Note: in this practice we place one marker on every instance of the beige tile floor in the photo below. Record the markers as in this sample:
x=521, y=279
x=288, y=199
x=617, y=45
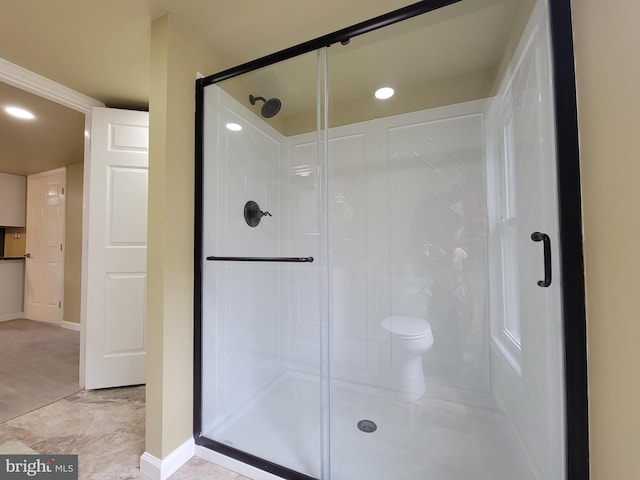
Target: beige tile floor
x=38, y=365
x=105, y=428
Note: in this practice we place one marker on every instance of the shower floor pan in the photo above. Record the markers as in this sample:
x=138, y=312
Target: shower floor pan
x=443, y=436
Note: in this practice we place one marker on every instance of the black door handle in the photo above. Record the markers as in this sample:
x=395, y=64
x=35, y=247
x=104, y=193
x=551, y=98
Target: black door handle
x=546, y=242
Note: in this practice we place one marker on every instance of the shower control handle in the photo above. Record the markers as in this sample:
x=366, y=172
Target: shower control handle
x=253, y=214
x=546, y=242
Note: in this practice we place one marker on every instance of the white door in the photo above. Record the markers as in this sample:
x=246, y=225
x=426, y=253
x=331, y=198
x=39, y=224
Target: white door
x=44, y=265
x=117, y=249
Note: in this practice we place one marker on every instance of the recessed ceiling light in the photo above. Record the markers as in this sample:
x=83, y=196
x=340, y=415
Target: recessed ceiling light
x=19, y=113
x=234, y=127
x=384, y=93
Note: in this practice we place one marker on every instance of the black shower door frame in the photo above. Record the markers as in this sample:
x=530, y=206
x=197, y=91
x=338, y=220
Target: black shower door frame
x=570, y=224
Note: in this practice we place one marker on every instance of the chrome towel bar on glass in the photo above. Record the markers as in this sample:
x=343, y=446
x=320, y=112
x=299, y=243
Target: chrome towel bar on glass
x=261, y=259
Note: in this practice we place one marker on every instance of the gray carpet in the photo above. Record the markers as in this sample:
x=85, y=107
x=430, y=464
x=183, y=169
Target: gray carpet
x=38, y=365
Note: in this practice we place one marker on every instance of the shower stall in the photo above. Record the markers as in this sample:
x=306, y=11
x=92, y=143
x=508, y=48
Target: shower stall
x=382, y=285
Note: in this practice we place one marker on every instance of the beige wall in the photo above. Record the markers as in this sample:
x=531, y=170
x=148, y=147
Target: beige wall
x=73, y=241
x=436, y=93
x=607, y=49
x=176, y=57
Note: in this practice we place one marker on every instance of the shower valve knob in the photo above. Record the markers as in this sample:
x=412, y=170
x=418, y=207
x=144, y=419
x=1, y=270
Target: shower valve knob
x=253, y=214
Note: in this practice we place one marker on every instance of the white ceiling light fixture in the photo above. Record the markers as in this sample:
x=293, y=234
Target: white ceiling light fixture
x=19, y=113
x=234, y=127
x=384, y=93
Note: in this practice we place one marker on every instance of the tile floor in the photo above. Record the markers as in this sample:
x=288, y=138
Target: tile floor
x=28, y=377
x=105, y=428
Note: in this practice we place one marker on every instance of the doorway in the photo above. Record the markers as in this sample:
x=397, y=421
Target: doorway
x=41, y=356
x=68, y=103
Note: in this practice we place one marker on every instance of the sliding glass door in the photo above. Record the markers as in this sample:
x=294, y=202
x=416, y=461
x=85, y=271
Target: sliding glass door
x=441, y=335
x=261, y=316
x=380, y=281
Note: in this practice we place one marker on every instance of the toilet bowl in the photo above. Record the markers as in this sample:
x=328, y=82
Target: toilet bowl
x=410, y=338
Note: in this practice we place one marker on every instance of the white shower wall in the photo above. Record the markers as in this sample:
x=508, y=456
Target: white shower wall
x=407, y=236
x=245, y=313
x=404, y=193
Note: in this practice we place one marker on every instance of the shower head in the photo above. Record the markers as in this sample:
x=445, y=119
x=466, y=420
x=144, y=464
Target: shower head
x=270, y=108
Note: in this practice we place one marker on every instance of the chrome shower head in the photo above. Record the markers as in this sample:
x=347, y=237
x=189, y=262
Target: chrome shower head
x=270, y=108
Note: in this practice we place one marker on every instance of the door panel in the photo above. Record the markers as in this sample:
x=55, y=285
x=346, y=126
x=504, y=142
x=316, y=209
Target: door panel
x=527, y=338
x=44, y=265
x=259, y=335
x=116, y=308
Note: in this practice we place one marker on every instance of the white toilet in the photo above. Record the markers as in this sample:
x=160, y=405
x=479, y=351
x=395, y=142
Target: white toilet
x=410, y=338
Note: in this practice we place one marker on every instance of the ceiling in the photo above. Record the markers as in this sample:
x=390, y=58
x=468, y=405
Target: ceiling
x=101, y=48
x=54, y=138
x=450, y=55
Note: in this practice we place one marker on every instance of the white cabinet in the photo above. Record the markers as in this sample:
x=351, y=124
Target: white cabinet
x=13, y=199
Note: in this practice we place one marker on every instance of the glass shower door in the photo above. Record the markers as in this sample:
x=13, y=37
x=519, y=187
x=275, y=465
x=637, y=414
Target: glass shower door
x=261, y=318
x=380, y=285
x=446, y=341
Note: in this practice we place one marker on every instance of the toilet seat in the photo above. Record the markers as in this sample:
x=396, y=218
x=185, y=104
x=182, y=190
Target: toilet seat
x=407, y=327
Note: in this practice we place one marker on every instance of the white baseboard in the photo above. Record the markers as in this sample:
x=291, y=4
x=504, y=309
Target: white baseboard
x=11, y=316
x=70, y=325
x=233, y=465
x=157, y=469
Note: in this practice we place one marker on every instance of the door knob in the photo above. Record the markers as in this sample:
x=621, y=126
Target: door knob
x=27, y=255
